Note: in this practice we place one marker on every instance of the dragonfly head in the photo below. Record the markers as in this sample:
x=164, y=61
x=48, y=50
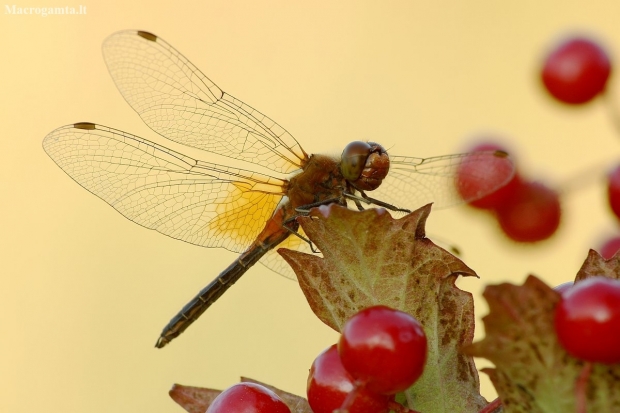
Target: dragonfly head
x=364, y=164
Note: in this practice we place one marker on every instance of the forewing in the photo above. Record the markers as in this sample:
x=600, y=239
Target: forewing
x=177, y=101
x=201, y=203
x=414, y=182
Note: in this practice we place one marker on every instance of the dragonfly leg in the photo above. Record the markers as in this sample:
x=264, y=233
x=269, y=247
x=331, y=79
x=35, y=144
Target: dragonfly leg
x=358, y=204
x=366, y=199
x=294, y=232
x=305, y=209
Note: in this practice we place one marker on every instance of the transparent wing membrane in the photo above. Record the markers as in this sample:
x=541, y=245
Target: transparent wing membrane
x=214, y=205
x=177, y=101
x=413, y=182
x=194, y=201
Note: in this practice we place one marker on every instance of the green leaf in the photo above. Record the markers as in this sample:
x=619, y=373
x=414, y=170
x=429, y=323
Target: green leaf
x=370, y=258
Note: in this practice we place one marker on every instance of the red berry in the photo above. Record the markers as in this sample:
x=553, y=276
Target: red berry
x=576, y=71
x=329, y=384
x=610, y=247
x=475, y=176
x=383, y=348
x=533, y=213
x=613, y=190
x=248, y=398
x=587, y=320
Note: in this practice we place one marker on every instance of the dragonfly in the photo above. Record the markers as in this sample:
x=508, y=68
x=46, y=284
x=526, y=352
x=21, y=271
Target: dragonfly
x=243, y=210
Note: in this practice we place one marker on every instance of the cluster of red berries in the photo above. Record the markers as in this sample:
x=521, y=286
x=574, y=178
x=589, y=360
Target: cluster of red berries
x=574, y=73
x=381, y=352
x=587, y=320
x=527, y=211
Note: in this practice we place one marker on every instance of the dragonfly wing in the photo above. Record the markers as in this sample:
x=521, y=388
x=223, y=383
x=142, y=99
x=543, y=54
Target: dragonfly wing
x=414, y=182
x=176, y=100
x=201, y=203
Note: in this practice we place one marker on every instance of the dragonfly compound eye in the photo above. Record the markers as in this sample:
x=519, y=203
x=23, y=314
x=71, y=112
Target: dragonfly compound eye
x=353, y=159
x=365, y=164
x=376, y=168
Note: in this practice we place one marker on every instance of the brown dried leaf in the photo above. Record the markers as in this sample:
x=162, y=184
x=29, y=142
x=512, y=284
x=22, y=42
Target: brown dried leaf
x=596, y=265
x=370, y=258
x=532, y=371
x=198, y=399
x=193, y=399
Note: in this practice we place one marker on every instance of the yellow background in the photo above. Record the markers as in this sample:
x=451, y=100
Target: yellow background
x=84, y=292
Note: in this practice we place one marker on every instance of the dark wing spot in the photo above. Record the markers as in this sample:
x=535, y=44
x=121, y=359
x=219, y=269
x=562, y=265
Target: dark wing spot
x=84, y=125
x=147, y=36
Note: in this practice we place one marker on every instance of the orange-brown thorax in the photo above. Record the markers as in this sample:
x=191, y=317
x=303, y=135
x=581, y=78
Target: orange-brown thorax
x=319, y=181
x=363, y=166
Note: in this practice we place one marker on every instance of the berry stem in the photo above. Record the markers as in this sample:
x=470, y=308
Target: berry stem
x=348, y=401
x=581, y=387
x=612, y=110
x=586, y=177
x=491, y=407
x=399, y=408
x=409, y=400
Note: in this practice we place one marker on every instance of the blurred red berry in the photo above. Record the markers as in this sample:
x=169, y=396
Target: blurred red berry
x=383, y=348
x=470, y=185
x=613, y=190
x=248, y=398
x=533, y=213
x=500, y=197
x=576, y=71
x=610, y=247
x=587, y=320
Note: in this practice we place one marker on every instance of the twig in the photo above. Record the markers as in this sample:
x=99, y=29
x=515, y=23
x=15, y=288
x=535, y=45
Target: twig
x=611, y=109
x=581, y=386
x=399, y=408
x=348, y=401
x=491, y=407
x=587, y=176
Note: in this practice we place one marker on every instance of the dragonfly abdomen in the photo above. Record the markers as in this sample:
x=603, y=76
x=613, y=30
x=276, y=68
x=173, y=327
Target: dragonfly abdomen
x=273, y=234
